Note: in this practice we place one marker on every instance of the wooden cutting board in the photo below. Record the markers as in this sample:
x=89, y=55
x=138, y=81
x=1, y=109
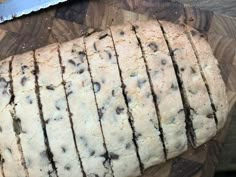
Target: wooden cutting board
x=73, y=19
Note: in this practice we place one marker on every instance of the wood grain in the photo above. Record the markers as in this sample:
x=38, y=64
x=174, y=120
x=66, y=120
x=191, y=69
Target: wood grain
x=218, y=6
x=75, y=18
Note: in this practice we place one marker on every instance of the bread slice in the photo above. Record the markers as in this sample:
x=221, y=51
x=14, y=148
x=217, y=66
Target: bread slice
x=82, y=104
x=201, y=112
x=212, y=75
x=32, y=137
x=11, y=156
x=111, y=104
x=55, y=113
x=140, y=98
x=165, y=86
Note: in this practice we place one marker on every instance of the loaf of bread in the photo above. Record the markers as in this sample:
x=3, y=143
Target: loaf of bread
x=109, y=104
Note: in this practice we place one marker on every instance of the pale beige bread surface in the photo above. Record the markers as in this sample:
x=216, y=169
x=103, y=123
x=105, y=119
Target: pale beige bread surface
x=8, y=143
x=32, y=138
x=55, y=113
x=201, y=113
x=70, y=99
x=165, y=86
x=83, y=107
x=140, y=99
x=212, y=74
x=111, y=104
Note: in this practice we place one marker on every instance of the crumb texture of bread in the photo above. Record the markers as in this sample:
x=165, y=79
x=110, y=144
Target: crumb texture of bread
x=109, y=104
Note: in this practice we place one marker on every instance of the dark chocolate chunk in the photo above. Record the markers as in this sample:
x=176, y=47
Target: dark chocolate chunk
x=23, y=81
x=141, y=83
x=119, y=110
x=50, y=87
x=122, y=33
x=103, y=35
x=153, y=46
x=114, y=156
x=182, y=69
x=96, y=86
x=72, y=62
x=163, y=61
x=67, y=167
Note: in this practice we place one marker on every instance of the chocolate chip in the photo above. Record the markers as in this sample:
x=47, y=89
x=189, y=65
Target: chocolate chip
x=127, y=146
x=81, y=71
x=50, y=87
x=153, y=46
x=92, y=153
x=141, y=83
x=17, y=125
x=47, y=121
x=119, y=110
x=9, y=150
x=174, y=86
x=29, y=99
x=133, y=74
x=23, y=81
x=23, y=67
x=81, y=56
x=96, y=86
x=58, y=118
x=102, y=36
x=3, y=83
x=210, y=115
x=114, y=156
x=95, y=47
x=67, y=167
x=182, y=69
x=72, y=62
x=113, y=92
x=122, y=33
x=109, y=54
x=128, y=99
x=138, y=135
x=163, y=61
x=43, y=154
x=193, y=70
x=63, y=149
